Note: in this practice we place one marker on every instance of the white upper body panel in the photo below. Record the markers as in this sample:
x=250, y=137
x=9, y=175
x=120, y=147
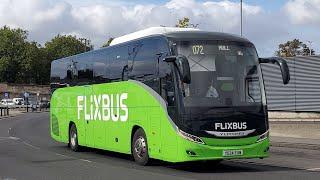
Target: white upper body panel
x=148, y=32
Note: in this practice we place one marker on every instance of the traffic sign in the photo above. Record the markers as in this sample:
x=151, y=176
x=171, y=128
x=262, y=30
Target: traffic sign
x=26, y=95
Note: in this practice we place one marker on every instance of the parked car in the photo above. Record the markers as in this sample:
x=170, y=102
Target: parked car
x=7, y=102
x=18, y=101
x=33, y=104
x=44, y=104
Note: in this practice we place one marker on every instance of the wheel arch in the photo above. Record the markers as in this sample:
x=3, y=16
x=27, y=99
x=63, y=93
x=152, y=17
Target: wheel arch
x=70, y=124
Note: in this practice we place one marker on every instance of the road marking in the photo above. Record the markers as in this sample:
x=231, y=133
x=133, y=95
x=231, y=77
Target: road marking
x=85, y=160
x=14, y=138
x=30, y=145
x=313, y=169
x=63, y=155
x=10, y=137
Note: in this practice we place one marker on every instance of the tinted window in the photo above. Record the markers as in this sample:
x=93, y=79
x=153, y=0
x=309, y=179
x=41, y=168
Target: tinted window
x=57, y=71
x=163, y=49
x=59, y=74
x=84, y=68
x=118, y=63
x=143, y=55
x=99, y=61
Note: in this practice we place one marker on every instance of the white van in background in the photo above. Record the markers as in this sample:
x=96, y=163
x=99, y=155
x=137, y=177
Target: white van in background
x=18, y=101
x=7, y=102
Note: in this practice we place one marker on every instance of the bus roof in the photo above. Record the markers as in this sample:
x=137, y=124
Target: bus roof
x=179, y=33
x=149, y=32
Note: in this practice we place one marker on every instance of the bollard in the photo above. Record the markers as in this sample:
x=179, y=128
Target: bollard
x=8, y=111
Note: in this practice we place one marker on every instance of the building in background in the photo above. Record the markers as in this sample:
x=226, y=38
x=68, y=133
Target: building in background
x=40, y=92
x=303, y=91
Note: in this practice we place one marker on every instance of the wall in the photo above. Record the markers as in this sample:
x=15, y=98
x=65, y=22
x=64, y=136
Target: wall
x=303, y=91
x=17, y=90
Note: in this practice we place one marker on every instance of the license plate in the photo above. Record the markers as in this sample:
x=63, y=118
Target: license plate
x=238, y=152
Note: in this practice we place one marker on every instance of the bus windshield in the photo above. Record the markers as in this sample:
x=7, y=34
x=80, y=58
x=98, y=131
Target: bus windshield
x=223, y=74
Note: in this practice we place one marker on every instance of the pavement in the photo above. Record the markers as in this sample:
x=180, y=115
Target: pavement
x=284, y=116
x=17, y=112
x=28, y=152
x=300, y=143
x=295, y=129
x=12, y=113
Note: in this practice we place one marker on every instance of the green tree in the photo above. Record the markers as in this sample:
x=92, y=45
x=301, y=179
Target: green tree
x=27, y=62
x=63, y=46
x=12, y=48
x=108, y=42
x=36, y=65
x=183, y=23
x=294, y=48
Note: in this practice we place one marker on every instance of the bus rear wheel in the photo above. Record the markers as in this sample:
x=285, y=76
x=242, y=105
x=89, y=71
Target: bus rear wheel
x=73, y=138
x=139, y=147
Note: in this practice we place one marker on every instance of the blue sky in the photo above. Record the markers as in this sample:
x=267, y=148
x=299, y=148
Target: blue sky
x=266, y=22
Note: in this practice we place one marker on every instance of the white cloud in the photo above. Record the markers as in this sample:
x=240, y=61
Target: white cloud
x=303, y=11
x=99, y=21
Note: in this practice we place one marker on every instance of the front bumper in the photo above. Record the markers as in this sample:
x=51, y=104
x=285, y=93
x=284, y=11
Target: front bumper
x=190, y=151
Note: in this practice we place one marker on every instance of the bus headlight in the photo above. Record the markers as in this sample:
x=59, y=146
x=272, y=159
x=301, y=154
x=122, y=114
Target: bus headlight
x=263, y=136
x=190, y=137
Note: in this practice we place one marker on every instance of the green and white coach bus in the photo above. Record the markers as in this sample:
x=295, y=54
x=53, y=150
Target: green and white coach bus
x=165, y=93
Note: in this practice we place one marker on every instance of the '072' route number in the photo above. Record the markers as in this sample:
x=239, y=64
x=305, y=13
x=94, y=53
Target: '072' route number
x=197, y=49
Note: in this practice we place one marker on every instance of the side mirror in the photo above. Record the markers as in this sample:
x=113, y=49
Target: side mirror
x=283, y=67
x=182, y=64
x=184, y=69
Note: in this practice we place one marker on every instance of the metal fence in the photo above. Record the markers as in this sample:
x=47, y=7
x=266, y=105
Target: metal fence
x=303, y=91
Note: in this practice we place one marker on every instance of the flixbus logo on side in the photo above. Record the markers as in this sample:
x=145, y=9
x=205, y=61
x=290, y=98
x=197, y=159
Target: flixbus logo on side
x=103, y=107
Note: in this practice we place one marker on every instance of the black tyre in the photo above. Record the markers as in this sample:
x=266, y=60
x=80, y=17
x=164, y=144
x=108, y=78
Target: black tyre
x=214, y=162
x=73, y=138
x=139, y=148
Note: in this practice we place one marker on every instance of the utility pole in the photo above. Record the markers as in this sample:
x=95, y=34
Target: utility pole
x=86, y=43
x=241, y=17
x=310, y=49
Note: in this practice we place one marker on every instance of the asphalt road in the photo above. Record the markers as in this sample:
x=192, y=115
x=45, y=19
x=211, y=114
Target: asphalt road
x=28, y=152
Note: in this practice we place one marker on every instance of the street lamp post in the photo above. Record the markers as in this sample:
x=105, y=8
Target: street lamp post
x=310, y=50
x=241, y=17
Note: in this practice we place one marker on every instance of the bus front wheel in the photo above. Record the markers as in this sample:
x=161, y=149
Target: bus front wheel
x=73, y=138
x=139, y=147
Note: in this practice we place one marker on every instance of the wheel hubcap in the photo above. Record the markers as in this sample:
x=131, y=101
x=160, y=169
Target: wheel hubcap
x=140, y=147
x=73, y=138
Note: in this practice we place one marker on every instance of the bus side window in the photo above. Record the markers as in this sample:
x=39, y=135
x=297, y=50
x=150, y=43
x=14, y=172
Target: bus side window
x=167, y=93
x=85, y=70
x=58, y=75
x=100, y=67
x=118, y=64
x=144, y=59
x=167, y=89
x=144, y=63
